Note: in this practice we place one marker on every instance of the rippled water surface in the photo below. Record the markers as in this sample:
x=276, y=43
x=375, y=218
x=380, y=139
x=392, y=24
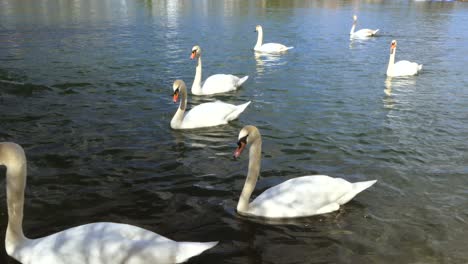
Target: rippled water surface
x=85, y=88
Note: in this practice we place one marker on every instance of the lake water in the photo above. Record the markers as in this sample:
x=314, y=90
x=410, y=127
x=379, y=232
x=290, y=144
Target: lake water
x=86, y=89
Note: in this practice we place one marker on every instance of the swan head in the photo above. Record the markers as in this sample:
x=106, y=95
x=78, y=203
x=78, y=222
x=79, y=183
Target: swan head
x=247, y=135
x=177, y=87
x=196, y=51
x=10, y=154
x=258, y=28
x=354, y=18
x=393, y=46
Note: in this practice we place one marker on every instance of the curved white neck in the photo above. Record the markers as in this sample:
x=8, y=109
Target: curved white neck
x=176, y=121
x=352, y=28
x=391, y=62
x=16, y=182
x=259, y=39
x=196, y=85
x=255, y=153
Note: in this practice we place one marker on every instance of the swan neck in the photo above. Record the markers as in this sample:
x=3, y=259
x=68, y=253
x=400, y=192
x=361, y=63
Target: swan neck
x=391, y=62
x=196, y=85
x=259, y=39
x=352, y=28
x=252, y=175
x=176, y=121
x=16, y=183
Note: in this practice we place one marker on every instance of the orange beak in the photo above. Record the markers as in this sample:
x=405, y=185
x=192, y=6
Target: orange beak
x=175, y=97
x=239, y=149
x=192, y=56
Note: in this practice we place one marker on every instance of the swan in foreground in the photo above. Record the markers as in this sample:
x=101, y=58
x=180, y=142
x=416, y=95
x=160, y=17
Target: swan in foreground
x=203, y=115
x=362, y=33
x=95, y=243
x=297, y=197
x=401, y=68
x=268, y=47
x=218, y=83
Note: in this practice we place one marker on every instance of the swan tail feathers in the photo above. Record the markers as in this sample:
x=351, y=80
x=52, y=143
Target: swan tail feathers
x=357, y=187
x=239, y=109
x=361, y=186
x=288, y=48
x=242, y=80
x=375, y=32
x=186, y=250
x=420, y=67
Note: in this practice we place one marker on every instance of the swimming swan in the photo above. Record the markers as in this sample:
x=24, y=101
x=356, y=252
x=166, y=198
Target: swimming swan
x=96, y=243
x=203, y=115
x=268, y=47
x=297, y=197
x=401, y=68
x=218, y=83
x=362, y=33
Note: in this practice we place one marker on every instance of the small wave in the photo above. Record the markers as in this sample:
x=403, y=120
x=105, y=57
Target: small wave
x=20, y=88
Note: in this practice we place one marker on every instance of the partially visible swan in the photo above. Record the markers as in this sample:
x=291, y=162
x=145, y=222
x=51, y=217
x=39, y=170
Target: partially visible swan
x=401, y=68
x=96, y=243
x=203, y=115
x=268, y=47
x=218, y=83
x=297, y=197
x=362, y=33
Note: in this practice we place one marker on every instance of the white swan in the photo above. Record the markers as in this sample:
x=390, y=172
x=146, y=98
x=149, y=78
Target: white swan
x=96, y=243
x=268, y=47
x=401, y=68
x=362, y=33
x=218, y=83
x=203, y=115
x=298, y=197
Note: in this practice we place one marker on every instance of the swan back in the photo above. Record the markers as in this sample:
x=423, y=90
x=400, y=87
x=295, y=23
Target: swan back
x=106, y=243
x=212, y=114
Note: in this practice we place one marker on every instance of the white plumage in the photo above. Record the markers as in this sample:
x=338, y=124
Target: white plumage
x=268, y=47
x=297, y=197
x=401, y=68
x=362, y=33
x=95, y=243
x=203, y=115
x=217, y=83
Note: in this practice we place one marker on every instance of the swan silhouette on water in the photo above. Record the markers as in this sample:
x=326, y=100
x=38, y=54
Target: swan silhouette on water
x=218, y=83
x=403, y=67
x=268, y=47
x=203, y=115
x=362, y=33
x=297, y=197
x=95, y=243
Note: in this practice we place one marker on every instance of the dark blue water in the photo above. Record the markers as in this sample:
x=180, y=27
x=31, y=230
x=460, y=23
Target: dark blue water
x=85, y=88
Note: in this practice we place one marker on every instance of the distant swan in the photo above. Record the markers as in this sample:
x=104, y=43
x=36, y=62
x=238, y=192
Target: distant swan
x=96, y=243
x=401, y=68
x=362, y=33
x=268, y=47
x=203, y=115
x=218, y=83
x=297, y=197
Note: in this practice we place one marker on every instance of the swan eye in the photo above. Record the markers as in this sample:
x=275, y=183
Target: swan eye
x=242, y=141
x=176, y=91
